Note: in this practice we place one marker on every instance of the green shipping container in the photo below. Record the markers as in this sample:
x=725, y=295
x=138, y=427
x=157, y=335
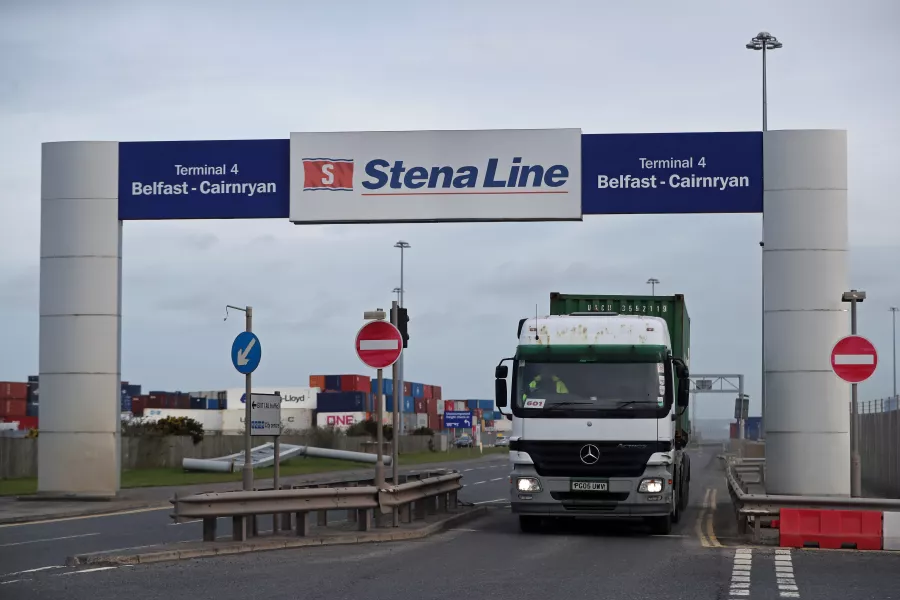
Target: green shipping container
x=671, y=308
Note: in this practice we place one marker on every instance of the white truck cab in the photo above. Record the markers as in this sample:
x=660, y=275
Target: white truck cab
x=594, y=402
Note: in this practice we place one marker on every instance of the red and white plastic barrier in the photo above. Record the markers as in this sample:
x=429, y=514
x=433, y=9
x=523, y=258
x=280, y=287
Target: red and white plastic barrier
x=853, y=529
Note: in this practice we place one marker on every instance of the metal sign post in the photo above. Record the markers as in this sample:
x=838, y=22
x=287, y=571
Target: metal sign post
x=395, y=443
x=379, y=345
x=246, y=353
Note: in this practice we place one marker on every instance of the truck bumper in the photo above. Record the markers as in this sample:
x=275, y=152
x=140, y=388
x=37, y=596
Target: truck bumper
x=622, y=500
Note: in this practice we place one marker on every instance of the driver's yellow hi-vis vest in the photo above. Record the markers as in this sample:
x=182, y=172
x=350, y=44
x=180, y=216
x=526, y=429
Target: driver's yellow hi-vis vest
x=560, y=386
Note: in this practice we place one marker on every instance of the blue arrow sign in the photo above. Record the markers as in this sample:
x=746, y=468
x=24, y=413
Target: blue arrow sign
x=458, y=420
x=246, y=352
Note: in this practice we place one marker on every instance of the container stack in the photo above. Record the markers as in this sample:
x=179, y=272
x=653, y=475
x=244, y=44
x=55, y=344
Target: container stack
x=14, y=404
x=344, y=400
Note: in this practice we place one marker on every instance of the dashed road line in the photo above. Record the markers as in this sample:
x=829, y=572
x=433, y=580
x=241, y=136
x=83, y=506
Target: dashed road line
x=784, y=574
x=10, y=581
x=56, y=539
x=498, y=478
x=740, y=573
x=32, y=571
x=479, y=482
x=492, y=501
x=97, y=516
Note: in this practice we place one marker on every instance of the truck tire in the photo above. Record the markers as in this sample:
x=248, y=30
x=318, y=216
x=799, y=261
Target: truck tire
x=661, y=525
x=529, y=523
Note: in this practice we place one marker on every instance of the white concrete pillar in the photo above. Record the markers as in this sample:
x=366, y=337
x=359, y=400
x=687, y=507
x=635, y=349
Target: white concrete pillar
x=80, y=319
x=805, y=273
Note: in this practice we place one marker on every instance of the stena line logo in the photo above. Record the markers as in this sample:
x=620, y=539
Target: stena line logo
x=335, y=174
x=381, y=177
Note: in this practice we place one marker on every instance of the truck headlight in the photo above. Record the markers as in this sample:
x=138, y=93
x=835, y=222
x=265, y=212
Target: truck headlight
x=654, y=485
x=528, y=484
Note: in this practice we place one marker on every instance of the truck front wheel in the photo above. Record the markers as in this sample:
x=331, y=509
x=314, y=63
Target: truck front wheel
x=529, y=523
x=661, y=525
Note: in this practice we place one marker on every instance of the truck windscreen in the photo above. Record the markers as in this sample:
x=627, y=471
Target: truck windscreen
x=590, y=386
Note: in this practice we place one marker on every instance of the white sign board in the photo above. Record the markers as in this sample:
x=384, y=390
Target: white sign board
x=432, y=176
x=265, y=414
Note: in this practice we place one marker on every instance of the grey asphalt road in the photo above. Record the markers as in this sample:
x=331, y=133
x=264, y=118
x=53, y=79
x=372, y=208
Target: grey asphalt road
x=490, y=558
x=24, y=547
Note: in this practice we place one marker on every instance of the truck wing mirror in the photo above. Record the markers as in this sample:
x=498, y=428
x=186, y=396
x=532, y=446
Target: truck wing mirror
x=501, y=372
x=684, y=392
x=500, y=392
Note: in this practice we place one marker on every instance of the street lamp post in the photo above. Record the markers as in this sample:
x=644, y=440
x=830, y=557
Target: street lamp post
x=764, y=41
x=854, y=297
x=653, y=281
x=396, y=290
x=893, y=310
x=398, y=394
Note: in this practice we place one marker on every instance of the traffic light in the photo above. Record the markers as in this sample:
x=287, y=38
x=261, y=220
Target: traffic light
x=402, y=322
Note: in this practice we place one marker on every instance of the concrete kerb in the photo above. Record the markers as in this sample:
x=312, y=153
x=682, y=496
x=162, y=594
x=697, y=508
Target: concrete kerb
x=281, y=543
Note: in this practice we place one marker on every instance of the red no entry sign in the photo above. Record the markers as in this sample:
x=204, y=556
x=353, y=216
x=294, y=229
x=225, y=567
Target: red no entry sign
x=854, y=358
x=378, y=344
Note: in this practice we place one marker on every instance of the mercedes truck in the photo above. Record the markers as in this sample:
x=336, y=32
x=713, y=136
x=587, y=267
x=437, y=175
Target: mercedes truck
x=598, y=397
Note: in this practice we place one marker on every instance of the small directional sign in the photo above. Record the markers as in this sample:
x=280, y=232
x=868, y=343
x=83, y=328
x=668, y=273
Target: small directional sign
x=246, y=352
x=265, y=414
x=458, y=420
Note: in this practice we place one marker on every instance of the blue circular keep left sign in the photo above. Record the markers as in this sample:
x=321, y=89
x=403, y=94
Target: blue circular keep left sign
x=246, y=352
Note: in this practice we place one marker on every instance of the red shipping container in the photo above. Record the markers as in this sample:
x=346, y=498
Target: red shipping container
x=407, y=388
x=317, y=381
x=733, y=431
x=182, y=401
x=11, y=390
x=436, y=392
x=477, y=412
x=355, y=383
x=419, y=406
x=26, y=423
x=427, y=392
x=138, y=403
x=12, y=408
x=449, y=406
x=434, y=422
x=431, y=406
x=155, y=401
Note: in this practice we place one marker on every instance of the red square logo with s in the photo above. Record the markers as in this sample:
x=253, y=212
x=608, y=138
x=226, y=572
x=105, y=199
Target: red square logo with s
x=334, y=174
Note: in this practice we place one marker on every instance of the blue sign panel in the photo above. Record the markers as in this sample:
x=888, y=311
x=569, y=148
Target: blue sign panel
x=458, y=420
x=231, y=179
x=662, y=173
x=246, y=352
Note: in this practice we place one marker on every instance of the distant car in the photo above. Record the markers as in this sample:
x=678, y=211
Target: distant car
x=465, y=441
x=502, y=442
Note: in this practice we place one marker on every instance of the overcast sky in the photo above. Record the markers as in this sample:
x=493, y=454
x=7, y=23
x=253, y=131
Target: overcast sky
x=229, y=70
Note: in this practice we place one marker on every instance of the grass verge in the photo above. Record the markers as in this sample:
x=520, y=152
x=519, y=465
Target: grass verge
x=139, y=478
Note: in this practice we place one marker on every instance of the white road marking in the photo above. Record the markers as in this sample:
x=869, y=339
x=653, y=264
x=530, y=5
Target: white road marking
x=492, y=501
x=741, y=573
x=10, y=581
x=121, y=549
x=498, y=479
x=109, y=514
x=94, y=570
x=33, y=570
x=478, y=482
x=784, y=574
x=467, y=470
x=67, y=537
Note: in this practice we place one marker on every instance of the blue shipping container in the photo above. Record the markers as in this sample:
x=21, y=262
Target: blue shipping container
x=418, y=390
x=332, y=383
x=197, y=403
x=387, y=385
x=486, y=404
x=408, y=406
x=342, y=402
x=32, y=410
x=212, y=404
x=471, y=404
x=125, y=405
x=752, y=428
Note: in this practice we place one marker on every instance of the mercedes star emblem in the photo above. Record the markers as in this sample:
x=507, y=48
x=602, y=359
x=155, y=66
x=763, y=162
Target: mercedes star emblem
x=590, y=454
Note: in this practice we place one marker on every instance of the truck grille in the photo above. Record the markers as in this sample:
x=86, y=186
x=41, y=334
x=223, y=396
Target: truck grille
x=563, y=459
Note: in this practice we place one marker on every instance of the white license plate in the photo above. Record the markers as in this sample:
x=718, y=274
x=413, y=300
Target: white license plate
x=590, y=486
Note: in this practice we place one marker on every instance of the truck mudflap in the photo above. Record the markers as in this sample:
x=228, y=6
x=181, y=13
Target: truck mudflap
x=591, y=497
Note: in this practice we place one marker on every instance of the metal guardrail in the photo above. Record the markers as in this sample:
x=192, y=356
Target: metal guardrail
x=740, y=473
x=290, y=507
